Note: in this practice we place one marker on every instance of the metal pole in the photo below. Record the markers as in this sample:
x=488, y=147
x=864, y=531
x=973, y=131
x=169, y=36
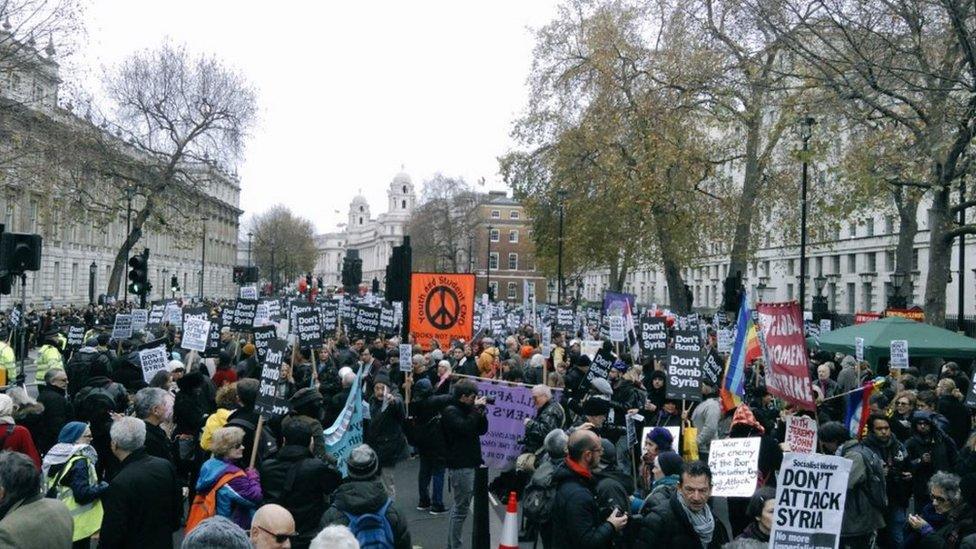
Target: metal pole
x=559, y=292
x=488, y=265
x=91, y=282
x=249, y=241
x=962, y=256
x=803, y=223
x=480, y=534
x=22, y=325
x=203, y=255
x=128, y=216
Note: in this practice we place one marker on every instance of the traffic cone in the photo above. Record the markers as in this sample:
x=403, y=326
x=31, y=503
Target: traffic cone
x=511, y=525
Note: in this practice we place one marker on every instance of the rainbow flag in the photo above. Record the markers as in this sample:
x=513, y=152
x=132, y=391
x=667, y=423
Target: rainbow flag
x=745, y=349
x=859, y=407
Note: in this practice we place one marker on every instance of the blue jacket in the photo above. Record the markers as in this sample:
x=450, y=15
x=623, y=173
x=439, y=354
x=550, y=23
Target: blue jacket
x=237, y=499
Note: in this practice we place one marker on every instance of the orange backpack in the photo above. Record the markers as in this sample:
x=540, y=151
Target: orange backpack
x=204, y=506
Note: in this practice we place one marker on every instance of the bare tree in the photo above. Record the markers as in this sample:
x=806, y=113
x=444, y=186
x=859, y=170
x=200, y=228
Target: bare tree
x=284, y=244
x=173, y=116
x=442, y=225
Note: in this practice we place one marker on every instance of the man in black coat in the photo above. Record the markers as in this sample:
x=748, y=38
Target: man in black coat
x=143, y=504
x=463, y=422
x=298, y=481
x=577, y=521
x=57, y=408
x=384, y=432
x=428, y=438
x=686, y=521
x=155, y=406
x=80, y=366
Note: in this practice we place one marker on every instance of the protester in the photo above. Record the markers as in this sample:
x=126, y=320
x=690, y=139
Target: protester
x=155, y=406
x=27, y=520
x=384, y=433
x=217, y=532
x=705, y=418
x=686, y=521
x=463, y=421
x=57, y=408
x=540, y=491
x=69, y=475
x=549, y=415
x=226, y=404
x=238, y=491
x=273, y=527
x=898, y=476
x=335, y=537
x=143, y=504
x=666, y=473
x=362, y=493
x=15, y=437
x=944, y=521
x=930, y=450
x=29, y=414
x=756, y=535
x=428, y=438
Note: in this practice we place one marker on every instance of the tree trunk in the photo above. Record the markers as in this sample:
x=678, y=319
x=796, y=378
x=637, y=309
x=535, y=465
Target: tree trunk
x=907, y=204
x=672, y=272
x=940, y=254
x=122, y=257
x=750, y=191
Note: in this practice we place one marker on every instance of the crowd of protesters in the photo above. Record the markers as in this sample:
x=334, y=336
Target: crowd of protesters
x=133, y=462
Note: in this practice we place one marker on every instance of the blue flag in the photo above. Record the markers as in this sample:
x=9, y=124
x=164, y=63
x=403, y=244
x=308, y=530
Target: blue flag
x=347, y=431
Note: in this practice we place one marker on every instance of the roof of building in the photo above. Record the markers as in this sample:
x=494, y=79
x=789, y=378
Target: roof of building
x=501, y=198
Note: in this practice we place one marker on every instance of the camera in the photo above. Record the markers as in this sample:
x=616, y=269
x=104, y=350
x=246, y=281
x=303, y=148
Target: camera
x=489, y=400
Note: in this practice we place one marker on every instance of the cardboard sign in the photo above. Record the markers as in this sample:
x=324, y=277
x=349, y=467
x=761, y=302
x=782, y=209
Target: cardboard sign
x=156, y=314
x=122, y=329
x=195, y=334
x=711, y=367
x=801, y=434
x=367, y=320
x=387, y=319
x=653, y=336
x=268, y=404
x=76, y=337
x=684, y=371
x=617, y=331
x=724, y=340
x=152, y=361
x=308, y=330
x=248, y=292
x=899, y=353
x=213, y=338
x=600, y=367
x=687, y=340
x=244, y=312
x=262, y=315
x=565, y=319
x=735, y=466
x=199, y=313
x=329, y=317
x=788, y=369
x=810, y=497
x=441, y=307
x=263, y=336
x=859, y=348
x=173, y=314
x=590, y=347
x=826, y=325
x=227, y=315
x=140, y=318
x=406, y=357
x=274, y=308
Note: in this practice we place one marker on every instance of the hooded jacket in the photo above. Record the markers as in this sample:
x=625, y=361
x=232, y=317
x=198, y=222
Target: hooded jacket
x=937, y=444
x=85, y=363
x=463, y=427
x=668, y=523
x=237, y=499
x=384, y=433
x=861, y=516
x=312, y=483
x=358, y=497
x=576, y=520
x=57, y=412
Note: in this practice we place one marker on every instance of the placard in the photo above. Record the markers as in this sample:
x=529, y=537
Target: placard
x=367, y=320
x=263, y=336
x=152, y=361
x=687, y=340
x=590, y=347
x=899, y=353
x=787, y=363
x=724, y=340
x=801, y=434
x=735, y=466
x=859, y=348
x=213, y=338
x=600, y=366
x=173, y=314
x=565, y=319
x=711, y=367
x=76, y=337
x=308, y=330
x=810, y=496
x=971, y=396
x=406, y=357
x=329, y=317
x=268, y=404
x=826, y=325
x=441, y=307
x=140, y=318
x=616, y=328
x=156, y=311
x=199, y=313
x=262, y=315
x=244, y=313
x=684, y=374
x=653, y=336
x=387, y=323
x=195, y=334
x=248, y=292
x=122, y=328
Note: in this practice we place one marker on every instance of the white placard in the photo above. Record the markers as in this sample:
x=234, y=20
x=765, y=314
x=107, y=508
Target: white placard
x=122, y=329
x=899, y=353
x=801, y=434
x=195, y=332
x=826, y=325
x=152, y=361
x=735, y=466
x=589, y=347
x=249, y=292
x=859, y=348
x=810, y=495
x=616, y=328
x=724, y=340
x=140, y=317
x=406, y=357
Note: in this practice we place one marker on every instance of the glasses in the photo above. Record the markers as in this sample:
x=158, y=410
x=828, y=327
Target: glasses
x=279, y=538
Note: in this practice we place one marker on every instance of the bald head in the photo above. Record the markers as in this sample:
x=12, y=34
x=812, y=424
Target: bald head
x=580, y=441
x=269, y=521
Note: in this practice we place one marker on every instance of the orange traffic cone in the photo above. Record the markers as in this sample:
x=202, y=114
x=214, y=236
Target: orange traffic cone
x=510, y=527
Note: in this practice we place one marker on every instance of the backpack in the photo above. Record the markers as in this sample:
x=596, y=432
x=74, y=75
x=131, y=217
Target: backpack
x=372, y=530
x=538, y=496
x=874, y=485
x=204, y=506
x=90, y=400
x=268, y=445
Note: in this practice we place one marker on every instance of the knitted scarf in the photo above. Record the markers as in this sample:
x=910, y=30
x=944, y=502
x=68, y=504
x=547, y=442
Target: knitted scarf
x=702, y=522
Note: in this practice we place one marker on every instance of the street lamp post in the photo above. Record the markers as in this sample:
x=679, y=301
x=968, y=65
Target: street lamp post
x=805, y=133
x=561, y=193
x=488, y=267
x=129, y=191
x=820, y=309
x=203, y=254
x=896, y=298
x=91, y=282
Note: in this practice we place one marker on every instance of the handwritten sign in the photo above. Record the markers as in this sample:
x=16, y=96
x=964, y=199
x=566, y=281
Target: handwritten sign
x=859, y=348
x=406, y=357
x=122, y=329
x=616, y=328
x=801, y=434
x=195, y=334
x=735, y=466
x=810, y=495
x=899, y=353
x=724, y=340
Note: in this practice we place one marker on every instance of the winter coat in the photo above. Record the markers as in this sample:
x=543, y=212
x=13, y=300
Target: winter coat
x=37, y=523
x=861, y=516
x=705, y=418
x=188, y=414
x=358, y=497
x=662, y=490
x=143, y=505
x=237, y=499
x=847, y=379
x=215, y=421
x=549, y=417
x=114, y=393
x=128, y=375
x=157, y=443
x=31, y=417
x=57, y=412
x=385, y=431
x=463, y=426
x=429, y=438
x=80, y=367
x=669, y=523
x=628, y=396
x=301, y=483
x=18, y=439
x=943, y=457
x=751, y=538
x=958, y=416
x=576, y=520
x=959, y=524
x=895, y=457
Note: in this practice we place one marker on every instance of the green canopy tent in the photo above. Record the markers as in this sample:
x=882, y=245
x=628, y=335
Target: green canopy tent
x=924, y=340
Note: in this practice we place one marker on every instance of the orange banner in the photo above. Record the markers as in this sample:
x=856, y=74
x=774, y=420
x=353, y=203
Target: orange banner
x=441, y=307
x=915, y=313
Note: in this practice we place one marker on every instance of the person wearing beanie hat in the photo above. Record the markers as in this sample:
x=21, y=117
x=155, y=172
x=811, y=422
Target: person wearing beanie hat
x=613, y=486
x=362, y=492
x=224, y=374
x=601, y=387
x=18, y=438
x=69, y=475
x=384, y=433
x=665, y=475
x=428, y=438
x=658, y=440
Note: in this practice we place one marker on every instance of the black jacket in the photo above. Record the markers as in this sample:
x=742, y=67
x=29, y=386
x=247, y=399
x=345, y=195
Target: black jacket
x=384, y=433
x=85, y=363
x=428, y=437
x=958, y=416
x=576, y=517
x=143, y=505
x=157, y=443
x=463, y=427
x=670, y=523
x=57, y=412
x=301, y=483
x=358, y=497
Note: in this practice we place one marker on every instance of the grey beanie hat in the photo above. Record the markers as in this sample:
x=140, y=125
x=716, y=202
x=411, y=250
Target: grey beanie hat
x=363, y=463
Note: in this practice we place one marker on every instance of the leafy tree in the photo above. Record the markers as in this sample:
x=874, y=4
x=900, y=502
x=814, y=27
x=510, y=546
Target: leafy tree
x=284, y=244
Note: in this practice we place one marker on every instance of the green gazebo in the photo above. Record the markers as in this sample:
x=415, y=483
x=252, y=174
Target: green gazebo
x=924, y=340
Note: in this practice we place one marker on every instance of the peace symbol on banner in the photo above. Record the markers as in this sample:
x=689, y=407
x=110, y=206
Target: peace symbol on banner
x=441, y=307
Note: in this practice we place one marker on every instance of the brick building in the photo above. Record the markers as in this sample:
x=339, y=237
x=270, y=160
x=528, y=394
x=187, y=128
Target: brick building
x=505, y=228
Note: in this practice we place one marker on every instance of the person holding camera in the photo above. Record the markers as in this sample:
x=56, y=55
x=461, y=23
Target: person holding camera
x=463, y=422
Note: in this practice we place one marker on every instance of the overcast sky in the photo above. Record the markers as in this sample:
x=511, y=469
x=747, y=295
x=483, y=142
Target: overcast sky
x=349, y=91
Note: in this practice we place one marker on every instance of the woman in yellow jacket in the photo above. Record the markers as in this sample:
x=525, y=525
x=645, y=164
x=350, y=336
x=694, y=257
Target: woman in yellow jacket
x=69, y=475
x=226, y=403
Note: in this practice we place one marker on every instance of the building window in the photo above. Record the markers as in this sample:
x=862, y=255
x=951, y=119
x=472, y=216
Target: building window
x=836, y=261
x=853, y=230
x=915, y=259
x=361, y=209
x=819, y=263
x=512, y=262
x=832, y=295
x=870, y=226
x=791, y=267
x=872, y=262
x=493, y=261
x=404, y=189
x=889, y=224
x=513, y=236
x=403, y=204
x=890, y=260
x=57, y=279
x=868, y=297
x=513, y=214
x=360, y=219
x=74, y=279
x=512, y=291
x=495, y=214
x=851, y=301
x=851, y=263
x=789, y=292
x=493, y=236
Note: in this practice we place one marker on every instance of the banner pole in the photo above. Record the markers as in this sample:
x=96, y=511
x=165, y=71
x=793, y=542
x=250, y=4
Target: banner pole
x=406, y=391
x=257, y=440
x=315, y=370
x=848, y=392
x=496, y=380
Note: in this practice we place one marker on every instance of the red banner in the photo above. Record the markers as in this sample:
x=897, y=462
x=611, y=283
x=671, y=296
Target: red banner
x=861, y=317
x=785, y=349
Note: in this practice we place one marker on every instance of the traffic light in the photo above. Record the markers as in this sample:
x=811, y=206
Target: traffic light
x=239, y=273
x=352, y=271
x=139, y=273
x=397, y=283
x=174, y=284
